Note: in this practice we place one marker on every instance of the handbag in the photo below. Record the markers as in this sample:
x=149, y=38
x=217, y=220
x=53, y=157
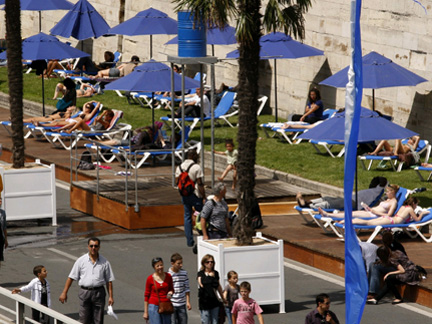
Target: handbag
x=164, y=307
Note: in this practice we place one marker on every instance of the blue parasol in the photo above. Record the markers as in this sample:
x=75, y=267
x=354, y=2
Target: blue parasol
x=281, y=46
x=81, y=22
x=147, y=22
x=378, y=72
x=372, y=128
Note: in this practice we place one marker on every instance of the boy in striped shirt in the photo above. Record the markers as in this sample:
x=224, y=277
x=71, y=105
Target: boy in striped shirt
x=181, y=297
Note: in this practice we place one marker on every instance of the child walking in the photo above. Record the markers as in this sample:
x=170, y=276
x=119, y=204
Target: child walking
x=181, y=297
x=40, y=292
x=245, y=308
x=231, y=293
x=231, y=154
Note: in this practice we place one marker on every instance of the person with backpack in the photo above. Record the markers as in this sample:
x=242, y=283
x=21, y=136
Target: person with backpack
x=214, y=216
x=189, y=181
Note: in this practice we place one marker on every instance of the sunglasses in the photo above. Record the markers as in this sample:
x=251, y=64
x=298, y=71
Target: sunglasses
x=209, y=262
x=94, y=246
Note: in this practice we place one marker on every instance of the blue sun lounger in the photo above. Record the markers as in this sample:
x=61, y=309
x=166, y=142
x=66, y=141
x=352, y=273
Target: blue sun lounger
x=413, y=229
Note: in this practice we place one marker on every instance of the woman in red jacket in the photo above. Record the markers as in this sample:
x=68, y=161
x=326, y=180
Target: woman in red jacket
x=161, y=282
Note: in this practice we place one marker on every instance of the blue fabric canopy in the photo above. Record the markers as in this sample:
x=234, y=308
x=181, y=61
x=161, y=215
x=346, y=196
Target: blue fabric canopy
x=146, y=22
x=81, y=22
x=379, y=72
x=46, y=47
x=151, y=76
x=38, y=5
x=280, y=46
x=372, y=128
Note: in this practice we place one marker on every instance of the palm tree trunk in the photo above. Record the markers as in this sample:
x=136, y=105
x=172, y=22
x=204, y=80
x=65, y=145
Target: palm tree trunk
x=15, y=78
x=247, y=132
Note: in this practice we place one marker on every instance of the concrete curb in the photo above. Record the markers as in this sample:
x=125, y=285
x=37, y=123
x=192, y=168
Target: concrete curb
x=29, y=107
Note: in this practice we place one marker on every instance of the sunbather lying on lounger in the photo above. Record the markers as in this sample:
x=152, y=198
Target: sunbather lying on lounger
x=89, y=110
x=101, y=123
x=405, y=214
x=62, y=115
x=368, y=196
x=86, y=90
x=142, y=136
x=385, y=208
x=300, y=125
x=399, y=148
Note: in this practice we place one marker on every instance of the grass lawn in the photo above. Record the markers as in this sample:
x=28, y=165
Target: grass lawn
x=301, y=160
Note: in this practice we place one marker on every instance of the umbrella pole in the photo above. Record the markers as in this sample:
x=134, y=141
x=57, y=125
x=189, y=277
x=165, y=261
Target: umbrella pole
x=151, y=46
x=202, y=117
x=213, y=81
x=275, y=91
x=373, y=99
x=43, y=94
x=40, y=22
x=212, y=46
x=173, y=145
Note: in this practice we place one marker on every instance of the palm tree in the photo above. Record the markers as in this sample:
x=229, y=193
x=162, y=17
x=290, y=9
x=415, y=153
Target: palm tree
x=15, y=77
x=286, y=15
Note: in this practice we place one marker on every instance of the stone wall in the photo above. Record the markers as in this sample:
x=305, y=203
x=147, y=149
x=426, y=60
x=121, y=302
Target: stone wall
x=398, y=29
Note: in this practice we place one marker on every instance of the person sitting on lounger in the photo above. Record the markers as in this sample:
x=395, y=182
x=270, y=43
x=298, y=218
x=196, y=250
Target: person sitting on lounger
x=385, y=208
x=108, y=63
x=193, y=106
x=120, y=71
x=85, y=90
x=399, y=148
x=405, y=214
x=314, y=108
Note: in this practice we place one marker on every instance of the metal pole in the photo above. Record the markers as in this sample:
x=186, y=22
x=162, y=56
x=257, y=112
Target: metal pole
x=40, y=22
x=182, y=113
x=373, y=99
x=43, y=94
x=202, y=119
x=151, y=46
x=173, y=126
x=213, y=81
x=275, y=94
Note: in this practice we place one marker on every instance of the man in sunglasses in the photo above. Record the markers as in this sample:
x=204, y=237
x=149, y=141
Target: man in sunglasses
x=93, y=272
x=322, y=314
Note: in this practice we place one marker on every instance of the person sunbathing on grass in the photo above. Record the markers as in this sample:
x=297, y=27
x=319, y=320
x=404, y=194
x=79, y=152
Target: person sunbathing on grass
x=405, y=214
x=399, y=148
x=61, y=115
x=385, y=209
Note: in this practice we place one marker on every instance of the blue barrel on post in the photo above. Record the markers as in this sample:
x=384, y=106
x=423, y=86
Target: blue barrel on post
x=192, y=39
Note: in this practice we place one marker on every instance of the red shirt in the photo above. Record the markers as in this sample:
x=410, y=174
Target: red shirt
x=150, y=295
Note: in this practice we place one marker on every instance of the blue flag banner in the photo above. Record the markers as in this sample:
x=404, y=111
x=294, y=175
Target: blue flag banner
x=356, y=285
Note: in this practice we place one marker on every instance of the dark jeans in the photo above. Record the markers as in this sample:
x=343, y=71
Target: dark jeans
x=41, y=318
x=390, y=285
x=191, y=111
x=180, y=315
x=188, y=203
x=377, y=271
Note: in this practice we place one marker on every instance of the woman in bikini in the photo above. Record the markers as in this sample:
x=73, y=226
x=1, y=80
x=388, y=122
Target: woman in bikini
x=405, y=214
x=89, y=110
x=385, y=208
x=399, y=148
x=61, y=115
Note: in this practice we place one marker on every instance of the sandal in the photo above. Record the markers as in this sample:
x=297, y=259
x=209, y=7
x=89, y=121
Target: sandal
x=372, y=301
x=397, y=301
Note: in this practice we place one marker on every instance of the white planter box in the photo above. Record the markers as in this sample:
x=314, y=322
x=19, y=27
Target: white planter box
x=261, y=264
x=30, y=192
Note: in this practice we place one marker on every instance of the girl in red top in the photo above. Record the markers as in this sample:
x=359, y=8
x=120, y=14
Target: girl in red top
x=165, y=288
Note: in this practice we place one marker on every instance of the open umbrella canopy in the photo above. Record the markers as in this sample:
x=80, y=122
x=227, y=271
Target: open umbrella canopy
x=378, y=72
x=146, y=22
x=38, y=5
x=215, y=36
x=281, y=46
x=372, y=128
x=45, y=47
x=81, y=22
x=151, y=76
